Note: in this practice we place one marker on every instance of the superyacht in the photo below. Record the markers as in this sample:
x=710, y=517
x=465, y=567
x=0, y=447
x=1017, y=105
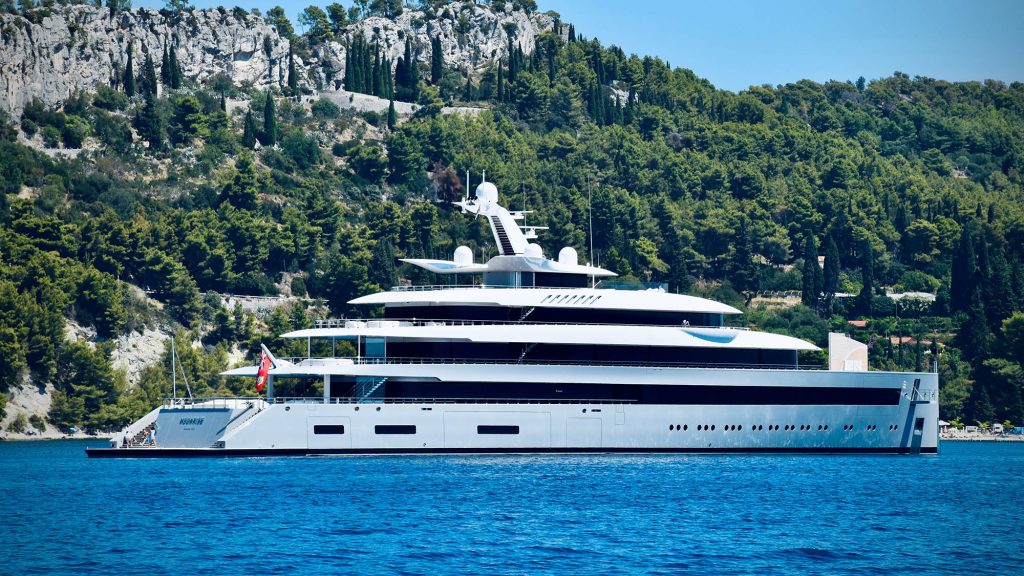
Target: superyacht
x=533, y=355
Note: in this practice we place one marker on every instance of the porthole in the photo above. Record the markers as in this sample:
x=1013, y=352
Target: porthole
x=684, y=427
x=826, y=427
x=378, y=408
x=712, y=427
x=670, y=427
x=740, y=427
x=895, y=426
x=819, y=427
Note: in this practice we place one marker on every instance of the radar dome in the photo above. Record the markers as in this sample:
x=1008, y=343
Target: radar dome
x=568, y=256
x=534, y=251
x=463, y=256
x=487, y=192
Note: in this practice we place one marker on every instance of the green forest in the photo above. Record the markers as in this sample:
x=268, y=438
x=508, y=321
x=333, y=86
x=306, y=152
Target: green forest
x=901, y=184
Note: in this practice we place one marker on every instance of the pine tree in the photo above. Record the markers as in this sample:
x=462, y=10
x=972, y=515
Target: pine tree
x=269, y=121
x=392, y=116
x=249, y=131
x=129, y=73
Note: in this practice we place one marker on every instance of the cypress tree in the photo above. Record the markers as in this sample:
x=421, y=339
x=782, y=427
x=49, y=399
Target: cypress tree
x=293, y=75
x=964, y=269
x=436, y=60
x=175, y=74
x=501, y=82
x=347, y=82
x=165, y=68
x=376, y=86
x=392, y=116
x=150, y=124
x=812, y=280
x=467, y=94
x=572, y=33
x=249, y=131
x=414, y=79
x=830, y=281
x=129, y=74
x=147, y=78
x=867, y=275
x=269, y=121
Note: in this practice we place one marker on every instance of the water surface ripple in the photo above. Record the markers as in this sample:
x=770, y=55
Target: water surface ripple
x=955, y=513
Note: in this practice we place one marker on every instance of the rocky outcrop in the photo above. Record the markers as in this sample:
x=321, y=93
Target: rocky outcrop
x=76, y=48
x=472, y=37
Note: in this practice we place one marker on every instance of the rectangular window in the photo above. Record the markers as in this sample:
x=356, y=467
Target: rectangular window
x=485, y=429
x=328, y=429
x=394, y=429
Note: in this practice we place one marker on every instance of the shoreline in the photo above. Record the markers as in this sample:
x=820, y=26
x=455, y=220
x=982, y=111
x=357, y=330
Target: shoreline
x=980, y=438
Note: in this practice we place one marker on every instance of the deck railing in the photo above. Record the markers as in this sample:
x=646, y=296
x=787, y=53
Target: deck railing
x=440, y=322
x=325, y=360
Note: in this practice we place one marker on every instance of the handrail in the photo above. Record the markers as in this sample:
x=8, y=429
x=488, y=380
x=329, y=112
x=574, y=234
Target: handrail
x=441, y=322
x=344, y=360
x=357, y=400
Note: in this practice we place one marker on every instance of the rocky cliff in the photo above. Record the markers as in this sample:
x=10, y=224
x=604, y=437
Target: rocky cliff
x=67, y=49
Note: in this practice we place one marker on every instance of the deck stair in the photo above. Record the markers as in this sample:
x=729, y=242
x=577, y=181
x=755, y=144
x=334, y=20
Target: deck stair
x=142, y=438
x=502, y=235
x=527, y=312
x=370, y=389
x=526, y=351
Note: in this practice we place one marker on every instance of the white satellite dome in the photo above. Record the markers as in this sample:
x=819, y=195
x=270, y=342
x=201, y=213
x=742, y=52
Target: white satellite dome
x=534, y=251
x=568, y=256
x=463, y=256
x=487, y=192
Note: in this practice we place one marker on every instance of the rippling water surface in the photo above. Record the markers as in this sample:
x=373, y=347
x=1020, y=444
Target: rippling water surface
x=956, y=513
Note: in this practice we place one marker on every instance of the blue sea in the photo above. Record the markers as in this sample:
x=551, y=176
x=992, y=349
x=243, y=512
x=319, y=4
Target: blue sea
x=956, y=513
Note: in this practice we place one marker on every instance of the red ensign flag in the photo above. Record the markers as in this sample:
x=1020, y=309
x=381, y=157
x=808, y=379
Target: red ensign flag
x=261, y=376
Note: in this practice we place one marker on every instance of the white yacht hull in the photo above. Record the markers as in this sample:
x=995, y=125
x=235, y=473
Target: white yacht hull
x=316, y=426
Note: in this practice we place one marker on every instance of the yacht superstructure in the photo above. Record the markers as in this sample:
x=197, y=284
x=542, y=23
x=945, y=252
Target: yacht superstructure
x=539, y=357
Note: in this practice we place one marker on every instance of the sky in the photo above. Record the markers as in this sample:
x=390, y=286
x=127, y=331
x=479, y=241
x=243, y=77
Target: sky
x=741, y=43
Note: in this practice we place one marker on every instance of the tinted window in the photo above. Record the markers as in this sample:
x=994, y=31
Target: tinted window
x=486, y=429
x=394, y=429
x=328, y=429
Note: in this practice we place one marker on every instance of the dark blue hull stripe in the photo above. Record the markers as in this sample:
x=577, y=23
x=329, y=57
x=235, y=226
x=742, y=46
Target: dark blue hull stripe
x=263, y=452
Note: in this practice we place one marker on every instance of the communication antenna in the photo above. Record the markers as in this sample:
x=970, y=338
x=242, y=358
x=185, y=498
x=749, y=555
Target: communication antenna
x=590, y=229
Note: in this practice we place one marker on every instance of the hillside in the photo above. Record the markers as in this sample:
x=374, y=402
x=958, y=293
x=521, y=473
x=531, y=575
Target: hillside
x=242, y=158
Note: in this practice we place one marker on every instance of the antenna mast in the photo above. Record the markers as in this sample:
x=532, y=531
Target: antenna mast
x=590, y=229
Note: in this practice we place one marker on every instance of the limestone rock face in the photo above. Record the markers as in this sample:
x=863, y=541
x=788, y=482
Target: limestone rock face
x=76, y=48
